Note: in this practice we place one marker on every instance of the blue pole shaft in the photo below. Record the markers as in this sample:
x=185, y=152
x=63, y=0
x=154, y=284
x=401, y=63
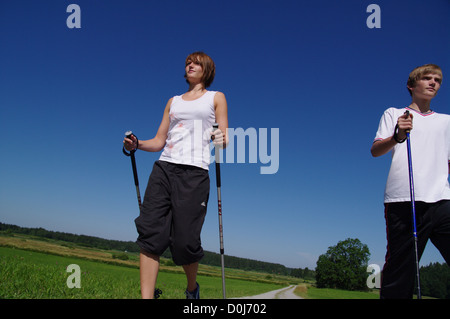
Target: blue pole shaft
x=413, y=209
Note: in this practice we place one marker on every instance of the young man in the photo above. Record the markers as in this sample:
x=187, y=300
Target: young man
x=430, y=148
x=176, y=197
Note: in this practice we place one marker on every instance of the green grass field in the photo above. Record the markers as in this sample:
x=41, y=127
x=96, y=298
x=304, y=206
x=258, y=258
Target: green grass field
x=310, y=292
x=37, y=268
x=29, y=274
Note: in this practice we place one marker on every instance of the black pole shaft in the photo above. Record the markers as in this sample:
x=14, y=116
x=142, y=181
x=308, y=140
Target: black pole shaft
x=128, y=134
x=219, y=204
x=136, y=179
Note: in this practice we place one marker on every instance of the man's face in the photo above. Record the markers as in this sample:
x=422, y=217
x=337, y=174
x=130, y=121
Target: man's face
x=427, y=86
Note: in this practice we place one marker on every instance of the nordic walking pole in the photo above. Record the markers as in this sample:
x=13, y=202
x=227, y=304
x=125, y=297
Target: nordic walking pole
x=128, y=134
x=133, y=164
x=413, y=208
x=219, y=202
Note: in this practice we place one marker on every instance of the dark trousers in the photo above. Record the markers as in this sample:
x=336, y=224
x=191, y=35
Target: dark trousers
x=173, y=211
x=432, y=222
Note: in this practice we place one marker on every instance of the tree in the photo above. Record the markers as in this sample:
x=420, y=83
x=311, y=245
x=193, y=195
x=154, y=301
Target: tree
x=343, y=266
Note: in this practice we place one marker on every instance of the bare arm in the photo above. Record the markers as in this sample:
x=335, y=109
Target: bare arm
x=157, y=143
x=381, y=147
x=221, y=110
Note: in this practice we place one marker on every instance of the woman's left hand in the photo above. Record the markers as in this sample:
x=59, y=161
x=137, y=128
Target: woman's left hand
x=218, y=138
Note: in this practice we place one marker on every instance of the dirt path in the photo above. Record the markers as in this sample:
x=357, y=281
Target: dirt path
x=283, y=293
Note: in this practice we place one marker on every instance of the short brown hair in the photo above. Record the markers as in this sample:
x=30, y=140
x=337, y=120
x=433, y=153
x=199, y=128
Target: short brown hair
x=208, y=66
x=419, y=72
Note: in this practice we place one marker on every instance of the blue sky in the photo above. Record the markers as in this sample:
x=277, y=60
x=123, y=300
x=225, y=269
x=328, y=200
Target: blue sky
x=314, y=70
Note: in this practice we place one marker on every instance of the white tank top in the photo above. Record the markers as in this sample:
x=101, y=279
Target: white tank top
x=189, y=135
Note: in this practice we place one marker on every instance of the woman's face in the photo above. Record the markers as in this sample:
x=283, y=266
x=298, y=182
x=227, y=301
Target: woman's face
x=194, y=71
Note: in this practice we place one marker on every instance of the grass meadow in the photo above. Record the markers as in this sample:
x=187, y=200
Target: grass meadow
x=308, y=291
x=35, y=269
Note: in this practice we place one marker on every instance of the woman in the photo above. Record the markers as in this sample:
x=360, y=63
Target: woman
x=176, y=197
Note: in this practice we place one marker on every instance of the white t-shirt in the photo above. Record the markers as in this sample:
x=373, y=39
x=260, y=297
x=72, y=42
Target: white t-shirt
x=189, y=135
x=430, y=154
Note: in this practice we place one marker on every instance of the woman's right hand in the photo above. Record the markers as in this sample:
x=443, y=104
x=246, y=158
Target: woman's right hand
x=130, y=143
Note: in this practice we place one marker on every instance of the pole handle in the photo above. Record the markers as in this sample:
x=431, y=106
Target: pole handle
x=128, y=134
x=217, y=154
x=407, y=115
x=215, y=126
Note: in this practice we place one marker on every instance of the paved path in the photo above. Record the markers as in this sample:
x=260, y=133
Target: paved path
x=283, y=293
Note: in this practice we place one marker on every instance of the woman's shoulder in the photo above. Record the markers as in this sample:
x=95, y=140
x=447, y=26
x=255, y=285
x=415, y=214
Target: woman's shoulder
x=218, y=94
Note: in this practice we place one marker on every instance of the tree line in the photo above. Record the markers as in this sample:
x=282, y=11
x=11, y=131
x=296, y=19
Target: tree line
x=435, y=280
x=82, y=240
x=210, y=258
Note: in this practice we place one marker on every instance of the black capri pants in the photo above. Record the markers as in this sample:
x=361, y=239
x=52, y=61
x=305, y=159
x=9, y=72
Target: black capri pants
x=173, y=211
